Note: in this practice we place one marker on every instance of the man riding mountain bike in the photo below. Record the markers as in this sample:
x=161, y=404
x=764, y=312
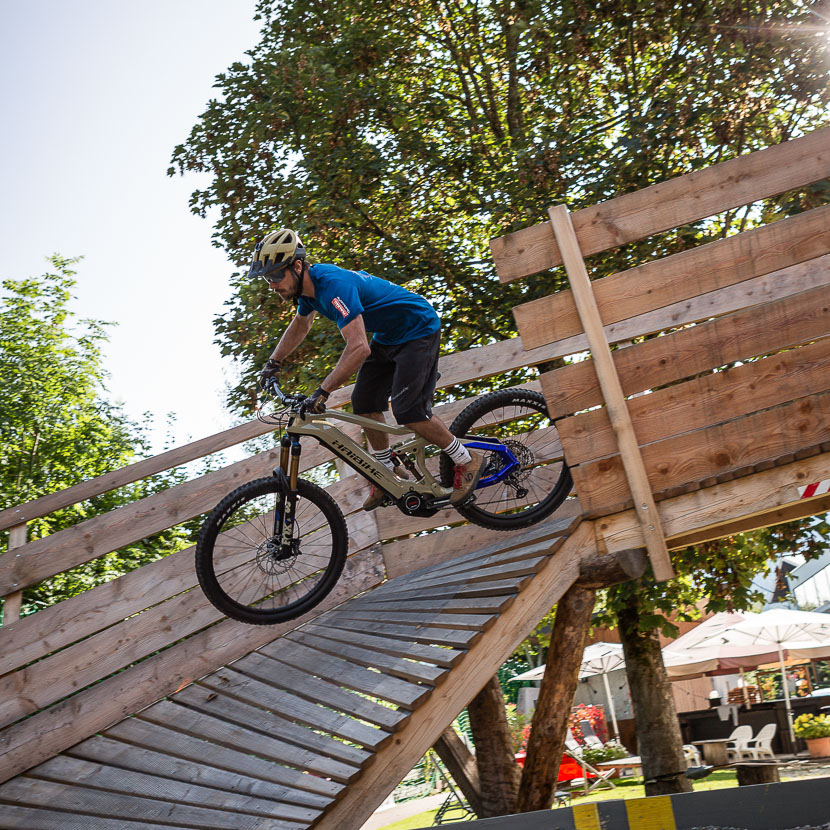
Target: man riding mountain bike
x=400, y=363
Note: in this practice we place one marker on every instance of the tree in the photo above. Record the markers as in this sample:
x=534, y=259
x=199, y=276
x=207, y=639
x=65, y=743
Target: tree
x=58, y=428
x=402, y=145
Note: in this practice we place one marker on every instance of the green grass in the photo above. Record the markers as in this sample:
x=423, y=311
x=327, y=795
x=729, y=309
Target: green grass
x=626, y=788
x=421, y=820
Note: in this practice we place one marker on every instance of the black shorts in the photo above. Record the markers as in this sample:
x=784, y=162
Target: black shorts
x=406, y=373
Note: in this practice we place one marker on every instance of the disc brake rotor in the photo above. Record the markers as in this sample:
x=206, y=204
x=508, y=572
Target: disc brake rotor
x=272, y=561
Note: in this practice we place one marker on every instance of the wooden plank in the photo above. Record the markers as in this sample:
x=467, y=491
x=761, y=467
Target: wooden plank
x=695, y=456
x=321, y=749
x=303, y=683
x=130, y=782
x=407, y=669
x=489, y=563
x=37, y=818
x=342, y=673
x=139, y=759
x=632, y=462
x=426, y=723
x=705, y=513
x=463, y=600
x=428, y=653
x=296, y=708
x=90, y=802
x=670, y=204
x=685, y=276
x=757, y=331
x=414, y=634
x=311, y=790
x=235, y=736
x=704, y=401
x=473, y=622
x=45, y=734
x=13, y=602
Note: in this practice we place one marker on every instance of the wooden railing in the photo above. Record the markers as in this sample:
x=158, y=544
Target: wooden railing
x=737, y=379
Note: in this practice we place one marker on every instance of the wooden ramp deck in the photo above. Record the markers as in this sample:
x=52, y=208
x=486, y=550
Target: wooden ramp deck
x=316, y=727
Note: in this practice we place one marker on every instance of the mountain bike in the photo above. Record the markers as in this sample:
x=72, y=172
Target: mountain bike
x=274, y=548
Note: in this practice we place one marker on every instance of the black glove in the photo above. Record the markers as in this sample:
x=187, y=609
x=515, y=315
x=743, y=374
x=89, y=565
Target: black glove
x=271, y=370
x=315, y=402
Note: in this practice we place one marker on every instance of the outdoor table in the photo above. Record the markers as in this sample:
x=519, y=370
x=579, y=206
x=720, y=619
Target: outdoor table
x=714, y=751
x=632, y=765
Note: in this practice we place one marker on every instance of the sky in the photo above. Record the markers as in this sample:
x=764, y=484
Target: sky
x=95, y=96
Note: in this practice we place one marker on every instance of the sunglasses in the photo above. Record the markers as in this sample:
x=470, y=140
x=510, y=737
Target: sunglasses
x=275, y=276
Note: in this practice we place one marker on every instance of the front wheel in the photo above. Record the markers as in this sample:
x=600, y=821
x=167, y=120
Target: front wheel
x=255, y=571
x=526, y=477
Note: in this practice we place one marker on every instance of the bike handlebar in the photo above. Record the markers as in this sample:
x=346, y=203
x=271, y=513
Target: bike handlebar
x=273, y=388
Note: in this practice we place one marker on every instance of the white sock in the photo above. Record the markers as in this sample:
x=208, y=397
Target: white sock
x=385, y=458
x=457, y=452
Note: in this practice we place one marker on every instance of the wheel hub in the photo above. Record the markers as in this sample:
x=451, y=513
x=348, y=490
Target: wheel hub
x=273, y=560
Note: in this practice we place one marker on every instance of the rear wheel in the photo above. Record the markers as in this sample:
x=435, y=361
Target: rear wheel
x=524, y=485
x=243, y=565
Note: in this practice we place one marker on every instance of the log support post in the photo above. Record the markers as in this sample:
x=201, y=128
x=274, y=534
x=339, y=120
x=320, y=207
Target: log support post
x=570, y=630
x=612, y=392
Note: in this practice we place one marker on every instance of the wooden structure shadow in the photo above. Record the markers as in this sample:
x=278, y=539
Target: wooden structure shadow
x=135, y=704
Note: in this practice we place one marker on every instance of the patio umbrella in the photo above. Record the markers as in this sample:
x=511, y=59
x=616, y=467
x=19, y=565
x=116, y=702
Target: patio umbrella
x=597, y=659
x=777, y=630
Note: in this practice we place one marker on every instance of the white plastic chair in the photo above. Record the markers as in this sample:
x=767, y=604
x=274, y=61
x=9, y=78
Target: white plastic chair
x=738, y=747
x=691, y=755
x=761, y=745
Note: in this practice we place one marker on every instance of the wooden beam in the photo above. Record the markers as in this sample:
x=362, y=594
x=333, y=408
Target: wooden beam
x=755, y=501
x=612, y=393
x=426, y=724
x=706, y=453
x=13, y=602
x=687, y=276
x=462, y=766
x=670, y=204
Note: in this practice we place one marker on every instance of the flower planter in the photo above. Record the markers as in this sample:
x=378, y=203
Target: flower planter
x=818, y=747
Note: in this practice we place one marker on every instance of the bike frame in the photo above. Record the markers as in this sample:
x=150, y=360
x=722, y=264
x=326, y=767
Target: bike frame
x=317, y=426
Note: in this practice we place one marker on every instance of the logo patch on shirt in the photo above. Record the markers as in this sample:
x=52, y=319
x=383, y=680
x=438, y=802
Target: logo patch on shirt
x=341, y=307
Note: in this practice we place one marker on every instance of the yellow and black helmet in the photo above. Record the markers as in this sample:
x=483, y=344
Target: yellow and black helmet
x=275, y=253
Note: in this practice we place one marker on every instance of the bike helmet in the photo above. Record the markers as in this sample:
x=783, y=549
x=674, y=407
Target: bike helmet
x=276, y=252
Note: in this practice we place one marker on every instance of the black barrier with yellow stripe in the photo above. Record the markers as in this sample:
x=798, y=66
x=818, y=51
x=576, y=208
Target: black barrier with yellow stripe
x=785, y=806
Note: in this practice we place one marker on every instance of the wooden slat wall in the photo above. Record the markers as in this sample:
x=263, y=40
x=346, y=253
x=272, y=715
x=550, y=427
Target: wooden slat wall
x=757, y=293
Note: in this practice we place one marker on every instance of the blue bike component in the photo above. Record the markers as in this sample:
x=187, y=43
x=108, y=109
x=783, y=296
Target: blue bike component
x=508, y=460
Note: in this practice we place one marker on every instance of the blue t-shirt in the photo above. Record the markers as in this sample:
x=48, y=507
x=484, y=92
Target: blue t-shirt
x=394, y=314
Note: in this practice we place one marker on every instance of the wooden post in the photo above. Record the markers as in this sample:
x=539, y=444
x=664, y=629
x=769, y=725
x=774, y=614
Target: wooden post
x=609, y=382
x=12, y=602
x=461, y=764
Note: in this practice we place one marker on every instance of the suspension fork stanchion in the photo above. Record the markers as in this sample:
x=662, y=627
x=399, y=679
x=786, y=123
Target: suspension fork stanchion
x=287, y=521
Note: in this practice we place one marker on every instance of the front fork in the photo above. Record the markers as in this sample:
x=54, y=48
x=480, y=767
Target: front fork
x=289, y=471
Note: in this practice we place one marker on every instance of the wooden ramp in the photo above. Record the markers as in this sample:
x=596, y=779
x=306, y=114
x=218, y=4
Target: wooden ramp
x=318, y=726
